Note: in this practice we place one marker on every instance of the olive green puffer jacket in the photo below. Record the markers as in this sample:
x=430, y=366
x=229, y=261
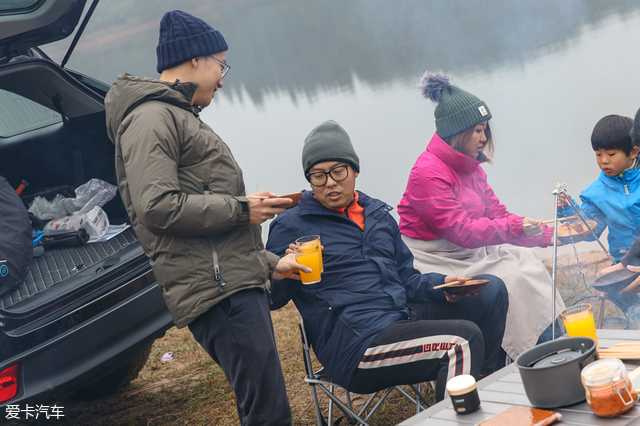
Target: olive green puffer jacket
x=184, y=192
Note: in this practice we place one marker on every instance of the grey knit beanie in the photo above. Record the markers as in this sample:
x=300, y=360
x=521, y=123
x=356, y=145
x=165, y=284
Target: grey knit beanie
x=184, y=37
x=457, y=110
x=328, y=142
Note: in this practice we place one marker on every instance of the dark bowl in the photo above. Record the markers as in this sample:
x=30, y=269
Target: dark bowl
x=615, y=281
x=469, y=287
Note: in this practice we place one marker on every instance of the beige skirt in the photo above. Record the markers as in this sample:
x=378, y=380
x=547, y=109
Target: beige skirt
x=527, y=280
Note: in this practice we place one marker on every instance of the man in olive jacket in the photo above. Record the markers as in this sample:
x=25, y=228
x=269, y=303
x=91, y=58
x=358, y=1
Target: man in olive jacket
x=185, y=196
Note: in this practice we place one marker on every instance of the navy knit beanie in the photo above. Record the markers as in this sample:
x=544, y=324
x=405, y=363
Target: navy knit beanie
x=184, y=37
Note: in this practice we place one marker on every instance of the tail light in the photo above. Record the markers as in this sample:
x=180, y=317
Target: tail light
x=9, y=383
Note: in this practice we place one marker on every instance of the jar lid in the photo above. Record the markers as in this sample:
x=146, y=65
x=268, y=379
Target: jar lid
x=461, y=385
x=603, y=372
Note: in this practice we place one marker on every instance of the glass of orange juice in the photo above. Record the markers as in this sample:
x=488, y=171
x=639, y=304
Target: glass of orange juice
x=578, y=321
x=309, y=256
x=308, y=242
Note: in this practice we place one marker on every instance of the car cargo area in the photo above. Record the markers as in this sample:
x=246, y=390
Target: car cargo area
x=60, y=263
x=46, y=140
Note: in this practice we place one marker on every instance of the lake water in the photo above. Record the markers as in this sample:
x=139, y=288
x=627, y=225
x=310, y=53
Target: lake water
x=548, y=70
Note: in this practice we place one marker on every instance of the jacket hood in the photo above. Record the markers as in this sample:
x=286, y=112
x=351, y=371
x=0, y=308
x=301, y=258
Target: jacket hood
x=458, y=161
x=130, y=91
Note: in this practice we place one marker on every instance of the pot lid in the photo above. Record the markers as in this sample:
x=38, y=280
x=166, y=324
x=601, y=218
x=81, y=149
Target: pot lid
x=557, y=358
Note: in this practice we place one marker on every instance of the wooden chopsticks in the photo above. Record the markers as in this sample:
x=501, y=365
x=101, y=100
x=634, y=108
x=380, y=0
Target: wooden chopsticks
x=528, y=225
x=575, y=216
x=628, y=350
x=449, y=284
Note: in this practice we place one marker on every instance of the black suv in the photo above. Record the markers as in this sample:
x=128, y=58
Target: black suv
x=87, y=315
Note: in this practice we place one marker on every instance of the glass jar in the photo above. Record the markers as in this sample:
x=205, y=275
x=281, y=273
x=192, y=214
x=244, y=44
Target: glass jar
x=609, y=390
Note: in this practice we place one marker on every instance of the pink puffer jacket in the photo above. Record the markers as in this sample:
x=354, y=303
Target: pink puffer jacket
x=448, y=197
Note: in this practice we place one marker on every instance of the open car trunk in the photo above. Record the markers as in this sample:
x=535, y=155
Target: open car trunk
x=85, y=315
x=52, y=134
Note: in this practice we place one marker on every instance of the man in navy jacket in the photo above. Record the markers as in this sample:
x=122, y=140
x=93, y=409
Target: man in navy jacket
x=373, y=320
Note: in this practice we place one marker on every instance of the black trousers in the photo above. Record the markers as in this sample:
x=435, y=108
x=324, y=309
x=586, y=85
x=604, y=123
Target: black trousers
x=238, y=335
x=442, y=341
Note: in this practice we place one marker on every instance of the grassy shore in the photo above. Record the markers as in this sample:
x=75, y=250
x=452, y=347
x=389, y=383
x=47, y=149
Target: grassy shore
x=191, y=389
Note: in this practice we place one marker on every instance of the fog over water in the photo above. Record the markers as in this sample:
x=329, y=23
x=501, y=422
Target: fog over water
x=548, y=70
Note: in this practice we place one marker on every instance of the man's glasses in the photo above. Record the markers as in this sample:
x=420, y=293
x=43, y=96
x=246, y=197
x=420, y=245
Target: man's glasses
x=225, y=68
x=338, y=174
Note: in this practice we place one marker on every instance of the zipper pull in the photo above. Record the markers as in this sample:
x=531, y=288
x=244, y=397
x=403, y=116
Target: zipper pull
x=626, y=189
x=221, y=283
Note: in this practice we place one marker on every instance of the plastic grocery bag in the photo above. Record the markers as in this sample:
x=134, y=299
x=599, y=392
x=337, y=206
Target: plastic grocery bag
x=94, y=193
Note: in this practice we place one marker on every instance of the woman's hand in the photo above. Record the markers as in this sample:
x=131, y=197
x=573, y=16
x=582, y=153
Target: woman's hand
x=532, y=228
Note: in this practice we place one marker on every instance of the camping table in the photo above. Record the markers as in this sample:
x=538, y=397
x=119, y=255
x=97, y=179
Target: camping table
x=504, y=388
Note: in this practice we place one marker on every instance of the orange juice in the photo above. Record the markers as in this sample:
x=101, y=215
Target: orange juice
x=311, y=258
x=578, y=321
x=308, y=243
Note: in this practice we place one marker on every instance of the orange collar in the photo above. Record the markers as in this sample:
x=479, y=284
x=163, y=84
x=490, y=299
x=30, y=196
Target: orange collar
x=354, y=211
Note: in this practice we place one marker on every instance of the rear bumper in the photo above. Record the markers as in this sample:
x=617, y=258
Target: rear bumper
x=91, y=350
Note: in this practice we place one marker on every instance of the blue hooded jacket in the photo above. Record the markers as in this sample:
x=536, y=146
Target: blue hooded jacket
x=613, y=202
x=367, y=280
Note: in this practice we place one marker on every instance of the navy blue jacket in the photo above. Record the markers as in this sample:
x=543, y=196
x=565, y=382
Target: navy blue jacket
x=367, y=280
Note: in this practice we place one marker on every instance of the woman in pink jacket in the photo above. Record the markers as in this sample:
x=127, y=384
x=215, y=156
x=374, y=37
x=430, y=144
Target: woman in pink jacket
x=454, y=223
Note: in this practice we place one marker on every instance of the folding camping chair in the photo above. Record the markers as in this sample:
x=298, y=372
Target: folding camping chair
x=321, y=380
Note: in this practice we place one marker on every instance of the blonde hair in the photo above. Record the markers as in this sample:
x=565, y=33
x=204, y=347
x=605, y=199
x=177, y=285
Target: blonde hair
x=458, y=140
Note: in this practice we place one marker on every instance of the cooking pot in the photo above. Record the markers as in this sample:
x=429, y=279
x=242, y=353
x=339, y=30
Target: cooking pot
x=551, y=371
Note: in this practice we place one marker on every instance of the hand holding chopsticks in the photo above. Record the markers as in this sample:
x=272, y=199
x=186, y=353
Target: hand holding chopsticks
x=553, y=220
x=532, y=228
x=450, y=284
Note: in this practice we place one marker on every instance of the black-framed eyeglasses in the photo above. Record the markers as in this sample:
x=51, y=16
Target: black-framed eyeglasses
x=225, y=68
x=338, y=174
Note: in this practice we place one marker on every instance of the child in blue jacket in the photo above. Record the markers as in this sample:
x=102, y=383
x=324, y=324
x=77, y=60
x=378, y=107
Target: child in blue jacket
x=613, y=200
